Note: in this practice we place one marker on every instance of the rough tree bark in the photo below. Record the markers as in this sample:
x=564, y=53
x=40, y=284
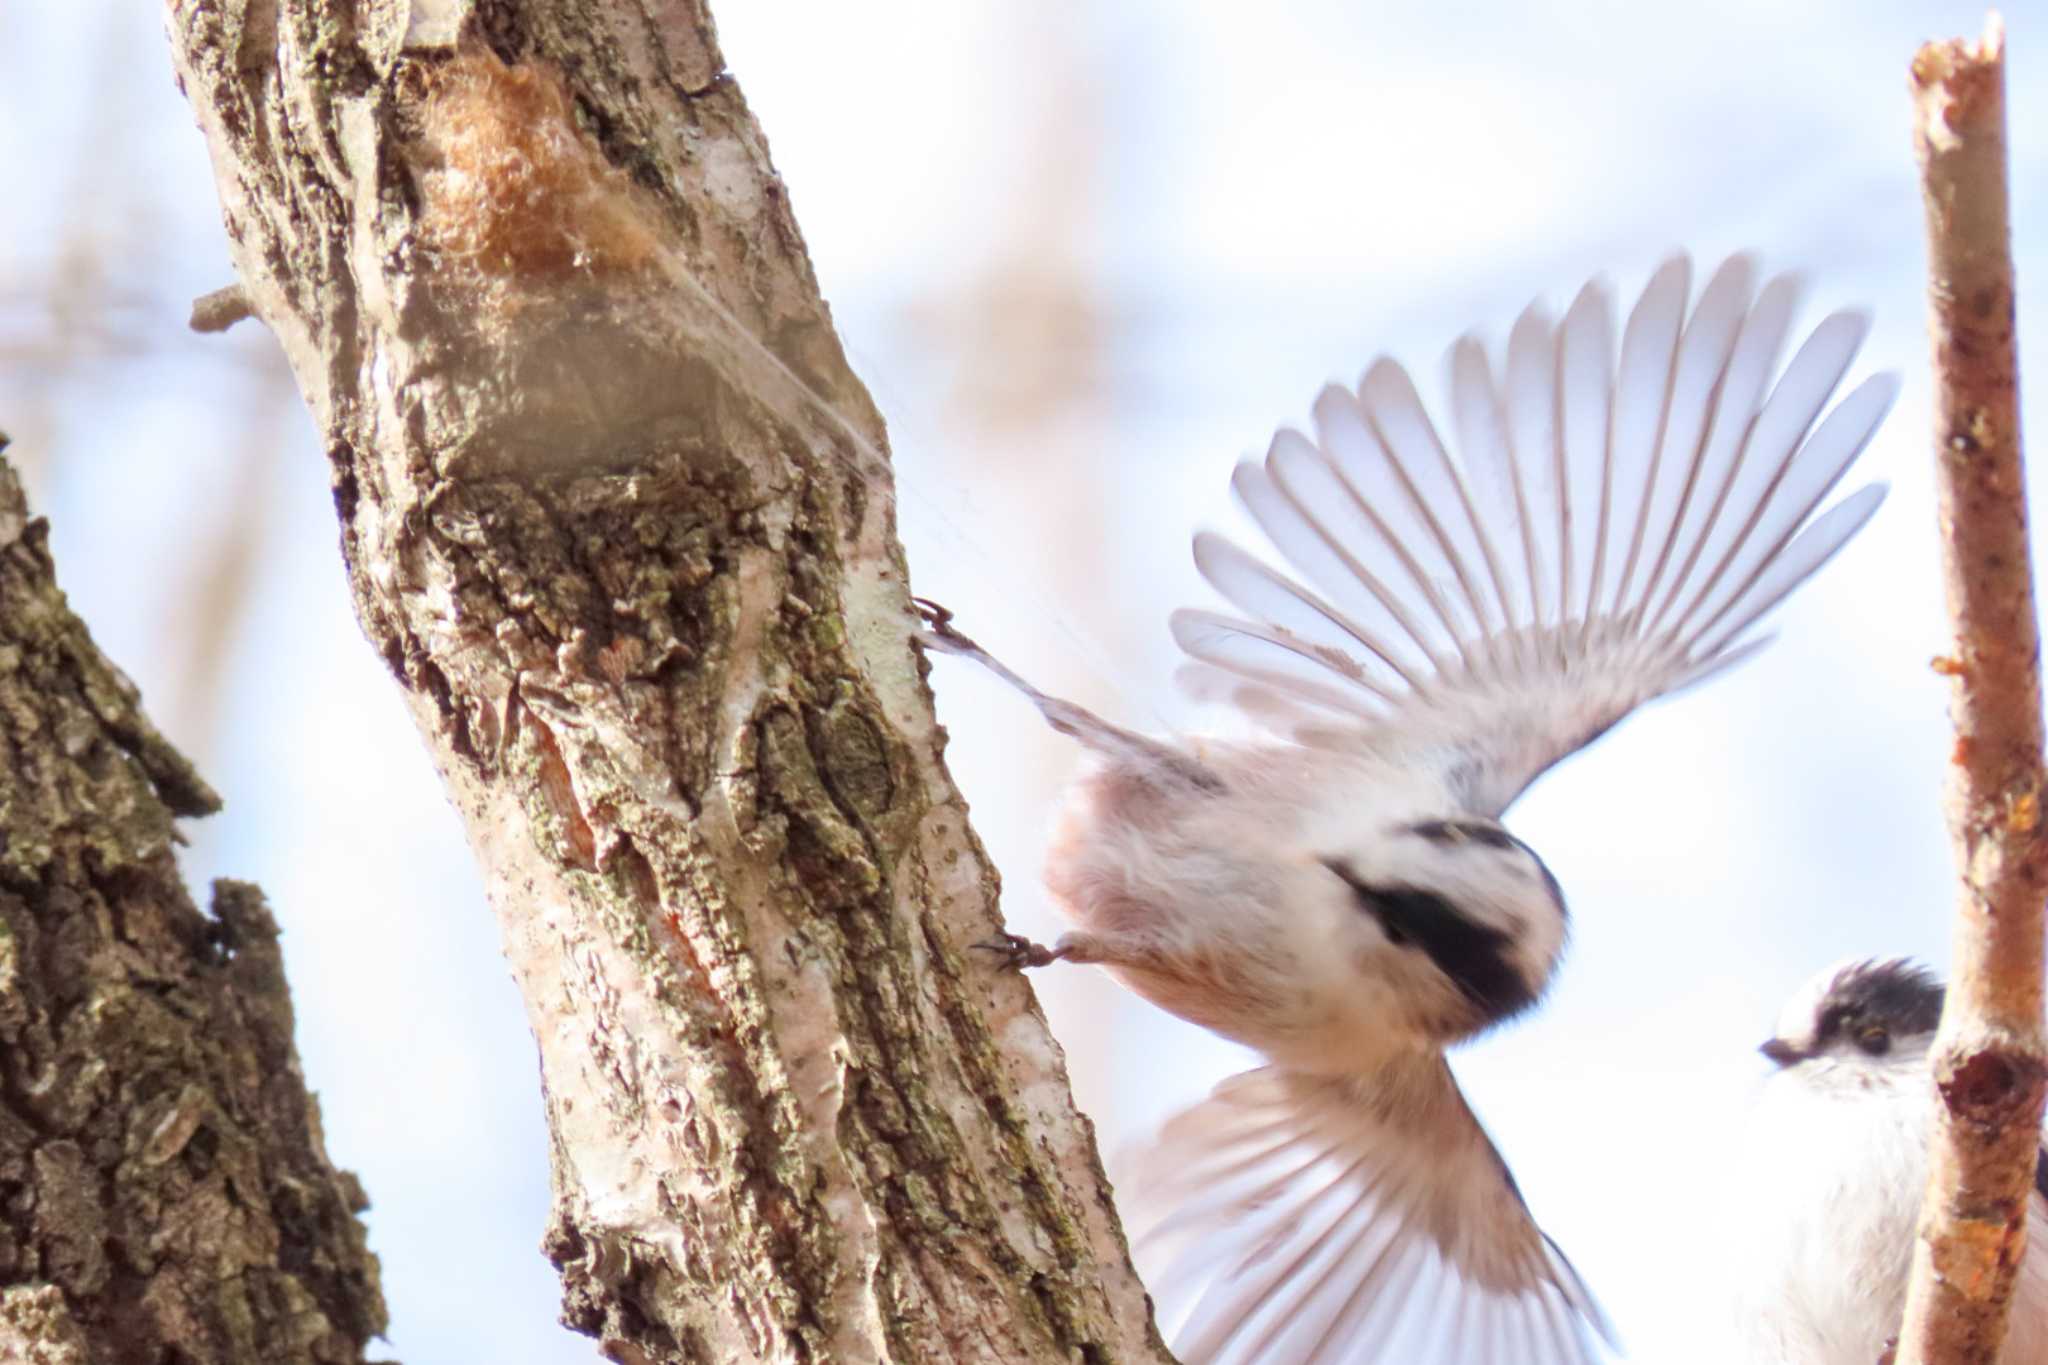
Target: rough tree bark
x=164, y=1190
x=613, y=510
x=1990, y=1057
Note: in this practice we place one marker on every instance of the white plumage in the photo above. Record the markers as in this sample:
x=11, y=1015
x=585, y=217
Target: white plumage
x=1342, y=897
x=1821, y=1202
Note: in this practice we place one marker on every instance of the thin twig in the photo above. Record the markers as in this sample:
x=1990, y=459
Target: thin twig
x=1989, y=1054
x=220, y=310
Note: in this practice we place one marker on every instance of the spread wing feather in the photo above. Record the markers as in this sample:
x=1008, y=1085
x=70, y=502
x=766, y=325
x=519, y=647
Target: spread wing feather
x=1329, y=1222
x=1614, y=520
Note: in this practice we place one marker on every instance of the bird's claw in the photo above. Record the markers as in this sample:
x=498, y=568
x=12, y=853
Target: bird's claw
x=1017, y=952
x=938, y=632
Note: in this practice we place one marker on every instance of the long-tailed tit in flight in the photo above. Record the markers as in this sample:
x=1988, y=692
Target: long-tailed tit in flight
x=1343, y=897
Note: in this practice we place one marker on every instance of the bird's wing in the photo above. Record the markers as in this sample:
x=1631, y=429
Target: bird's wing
x=1611, y=526
x=1335, y=1221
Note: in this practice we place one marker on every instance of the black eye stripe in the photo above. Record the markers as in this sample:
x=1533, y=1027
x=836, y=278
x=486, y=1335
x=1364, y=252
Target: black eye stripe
x=1490, y=836
x=1831, y=1021
x=1474, y=956
x=1902, y=997
x=1465, y=831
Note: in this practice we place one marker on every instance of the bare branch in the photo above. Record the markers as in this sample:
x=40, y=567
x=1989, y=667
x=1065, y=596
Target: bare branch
x=219, y=310
x=1989, y=1055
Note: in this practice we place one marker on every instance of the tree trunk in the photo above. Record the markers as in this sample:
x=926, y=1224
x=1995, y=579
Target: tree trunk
x=164, y=1190
x=614, y=511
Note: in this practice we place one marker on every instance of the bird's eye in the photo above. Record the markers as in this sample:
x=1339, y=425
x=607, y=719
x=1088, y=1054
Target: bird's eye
x=1876, y=1040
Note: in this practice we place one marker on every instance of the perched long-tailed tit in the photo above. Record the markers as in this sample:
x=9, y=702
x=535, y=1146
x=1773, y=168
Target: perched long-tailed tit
x=1825, y=1199
x=1343, y=897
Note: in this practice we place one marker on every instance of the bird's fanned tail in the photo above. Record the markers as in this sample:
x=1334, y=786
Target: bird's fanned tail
x=1341, y=1221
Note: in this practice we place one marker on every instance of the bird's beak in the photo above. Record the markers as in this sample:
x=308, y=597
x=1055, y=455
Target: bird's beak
x=1782, y=1052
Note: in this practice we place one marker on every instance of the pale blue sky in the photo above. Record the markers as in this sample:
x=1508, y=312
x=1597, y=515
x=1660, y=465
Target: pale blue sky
x=1243, y=205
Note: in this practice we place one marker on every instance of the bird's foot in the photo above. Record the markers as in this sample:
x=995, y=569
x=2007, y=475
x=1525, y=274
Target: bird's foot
x=1014, y=952
x=938, y=632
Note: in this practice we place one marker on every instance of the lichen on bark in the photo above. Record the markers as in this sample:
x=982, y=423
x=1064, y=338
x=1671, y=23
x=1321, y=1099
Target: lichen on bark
x=165, y=1193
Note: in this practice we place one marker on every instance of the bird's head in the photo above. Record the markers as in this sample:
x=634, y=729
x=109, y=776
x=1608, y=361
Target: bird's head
x=1866, y=1017
x=1472, y=919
